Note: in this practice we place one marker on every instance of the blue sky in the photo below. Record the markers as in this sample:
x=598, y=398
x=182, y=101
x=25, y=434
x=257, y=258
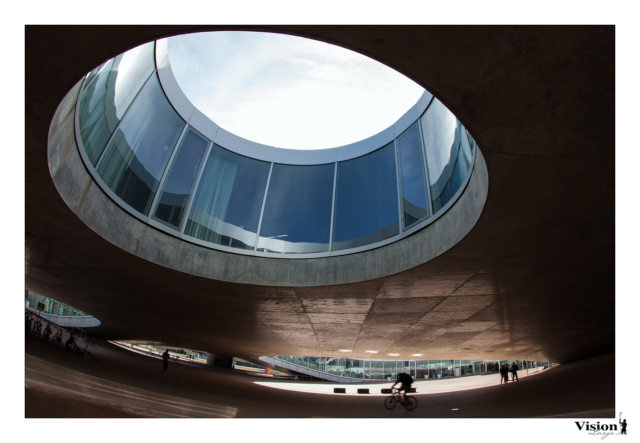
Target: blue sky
x=287, y=91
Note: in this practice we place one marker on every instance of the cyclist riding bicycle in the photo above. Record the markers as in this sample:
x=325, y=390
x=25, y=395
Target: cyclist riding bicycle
x=405, y=380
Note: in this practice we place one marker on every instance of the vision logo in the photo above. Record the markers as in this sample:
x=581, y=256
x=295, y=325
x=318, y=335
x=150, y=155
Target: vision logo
x=604, y=429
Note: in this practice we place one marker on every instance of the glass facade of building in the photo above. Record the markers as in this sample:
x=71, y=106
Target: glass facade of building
x=374, y=369
x=51, y=306
x=168, y=174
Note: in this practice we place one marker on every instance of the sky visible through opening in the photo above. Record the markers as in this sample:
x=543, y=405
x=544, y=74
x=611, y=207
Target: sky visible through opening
x=289, y=92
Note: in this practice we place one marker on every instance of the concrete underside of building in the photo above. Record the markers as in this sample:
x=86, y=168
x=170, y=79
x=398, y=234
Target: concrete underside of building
x=534, y=278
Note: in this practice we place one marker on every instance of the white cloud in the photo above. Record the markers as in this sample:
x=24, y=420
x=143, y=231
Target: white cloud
x=289, y=91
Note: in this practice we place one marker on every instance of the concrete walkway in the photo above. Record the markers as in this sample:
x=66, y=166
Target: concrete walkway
x=126, y=384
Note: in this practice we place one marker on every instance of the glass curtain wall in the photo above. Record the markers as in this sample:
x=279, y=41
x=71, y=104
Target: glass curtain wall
x=226, y=206
x=447, y=368
x=422, y=369
x=129, y=131
x=108, y=96
x=415, y=207
x=448, y=151
x=51, y=306
x=359, y=369
x=297, y=211
x=366, y=207
x=140, y=149
x=177, y=186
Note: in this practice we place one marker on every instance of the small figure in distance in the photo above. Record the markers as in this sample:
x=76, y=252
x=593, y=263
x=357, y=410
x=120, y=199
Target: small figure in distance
x=514, y=372
x=504, y=374
x=405, y=381
x=165, y=360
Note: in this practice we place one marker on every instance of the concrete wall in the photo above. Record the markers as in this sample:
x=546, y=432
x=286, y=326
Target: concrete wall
x=85, y=198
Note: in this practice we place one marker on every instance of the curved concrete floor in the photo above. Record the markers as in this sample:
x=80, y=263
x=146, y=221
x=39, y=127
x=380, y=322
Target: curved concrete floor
x=125, y=384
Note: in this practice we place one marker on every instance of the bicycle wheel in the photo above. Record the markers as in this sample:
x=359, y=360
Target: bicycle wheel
x=411, y=403
x=390, y=402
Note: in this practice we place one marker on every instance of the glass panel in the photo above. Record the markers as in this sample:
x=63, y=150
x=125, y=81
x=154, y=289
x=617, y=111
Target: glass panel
x=331, y=366
x=313, y=363
x=366, y=208
x=377, y=370
x=139, y=151
x=447, y=368
x=448, y=159
x=390, y=370
x=105, y=101
x=66, y=309
x=355, y=368
x=226, y=206
x=472, y=142
x=435, y=368
x=32, y=300
x=180, y=179
x=92, y=74
x=422, y=369
x=414, y=193
x=297, y=212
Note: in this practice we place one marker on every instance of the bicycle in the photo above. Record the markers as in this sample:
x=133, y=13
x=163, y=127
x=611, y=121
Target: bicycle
x=408, y=401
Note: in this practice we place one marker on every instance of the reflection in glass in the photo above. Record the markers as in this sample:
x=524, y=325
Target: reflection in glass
x=140, y=149
x=377, y=370
x=227, y=203
x=366, y=209
x=390, y=369
x=178, y=184
x=447, y=368
x=448, y=154
x=414, y=191
x=472, y=142
x=107, y=98
x=92, y=74
x=422, y=369
x=297, y=211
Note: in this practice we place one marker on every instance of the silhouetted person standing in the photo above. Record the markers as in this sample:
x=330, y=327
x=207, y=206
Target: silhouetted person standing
x=623, y=423
x=165, y=360
x=514, y=372
x=504, y=374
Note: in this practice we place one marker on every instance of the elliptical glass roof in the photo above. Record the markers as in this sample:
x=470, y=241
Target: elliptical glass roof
x=163, y=161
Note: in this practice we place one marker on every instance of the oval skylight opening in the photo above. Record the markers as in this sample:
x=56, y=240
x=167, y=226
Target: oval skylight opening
x=289, y=92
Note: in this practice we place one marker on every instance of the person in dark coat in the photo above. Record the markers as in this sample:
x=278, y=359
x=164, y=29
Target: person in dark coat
x=504, y=374
x=514, y=372
x=165, y=360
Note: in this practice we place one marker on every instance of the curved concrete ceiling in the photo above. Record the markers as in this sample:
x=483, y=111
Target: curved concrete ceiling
x=535, y=278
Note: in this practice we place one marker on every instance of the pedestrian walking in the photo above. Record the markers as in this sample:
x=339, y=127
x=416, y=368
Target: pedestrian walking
x=165, y=360
x=504, y=374
x=514, y=372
